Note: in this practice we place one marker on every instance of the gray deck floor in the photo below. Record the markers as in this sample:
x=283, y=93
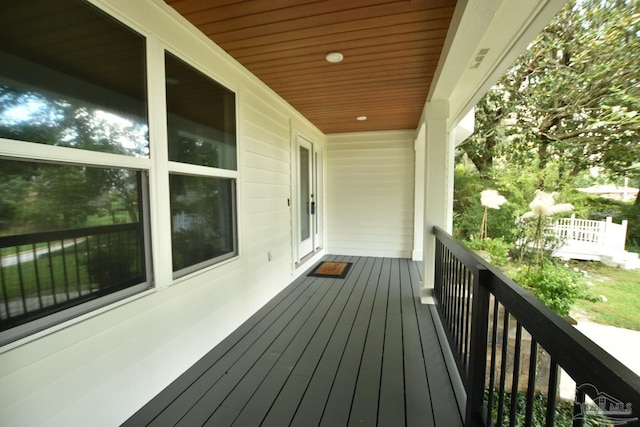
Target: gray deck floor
x=324, y=352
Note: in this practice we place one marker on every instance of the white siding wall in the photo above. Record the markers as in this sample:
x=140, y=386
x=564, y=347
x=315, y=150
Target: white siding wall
x=370, y=181
x=100, y=369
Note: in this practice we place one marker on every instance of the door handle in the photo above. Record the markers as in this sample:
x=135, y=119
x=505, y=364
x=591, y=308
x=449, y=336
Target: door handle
x=313, y=208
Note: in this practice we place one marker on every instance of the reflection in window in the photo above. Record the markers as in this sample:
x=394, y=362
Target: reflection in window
x=68, y=235
x=201, y=118
x=202, y=220
x=82, y=85
x=201, y=131
x=72, y=236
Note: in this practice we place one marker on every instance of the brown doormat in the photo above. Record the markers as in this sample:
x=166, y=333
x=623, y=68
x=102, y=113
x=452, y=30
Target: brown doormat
x=334, y=270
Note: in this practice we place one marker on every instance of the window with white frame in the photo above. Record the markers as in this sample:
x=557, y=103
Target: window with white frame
x=74, y=158
x=201, y=131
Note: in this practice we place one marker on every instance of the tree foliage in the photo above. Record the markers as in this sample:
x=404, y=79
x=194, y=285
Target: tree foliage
x=570, y=102
x=41, y=196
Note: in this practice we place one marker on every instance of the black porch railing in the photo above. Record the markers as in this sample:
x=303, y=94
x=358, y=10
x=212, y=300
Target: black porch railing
x=43, y=273
x=512, y=352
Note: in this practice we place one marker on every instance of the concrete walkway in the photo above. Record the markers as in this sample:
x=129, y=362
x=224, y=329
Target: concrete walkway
x=623, y=344
x=31, y=254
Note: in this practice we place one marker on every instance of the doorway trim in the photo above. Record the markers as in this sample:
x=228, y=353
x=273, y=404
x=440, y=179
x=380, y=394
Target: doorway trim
x=300, y=256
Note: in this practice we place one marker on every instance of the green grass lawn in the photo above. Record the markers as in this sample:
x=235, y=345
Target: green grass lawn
x=69, y=274
x=621, y=289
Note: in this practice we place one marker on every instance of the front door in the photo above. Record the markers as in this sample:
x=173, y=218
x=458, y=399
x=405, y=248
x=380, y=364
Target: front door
x=306, y=198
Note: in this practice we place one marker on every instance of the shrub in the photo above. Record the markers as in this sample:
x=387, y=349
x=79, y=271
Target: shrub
x=563, y=410
x=499, y=251
x=556, y=286
x=595, y=208
x=114, y=262
x=526, y=249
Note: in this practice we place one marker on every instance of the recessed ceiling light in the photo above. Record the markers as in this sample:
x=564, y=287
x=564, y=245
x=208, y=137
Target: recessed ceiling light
x=361, y=118
x=334, y=57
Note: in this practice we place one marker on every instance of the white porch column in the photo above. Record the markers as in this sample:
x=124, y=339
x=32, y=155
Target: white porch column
x=438, y=189
x=418, y=203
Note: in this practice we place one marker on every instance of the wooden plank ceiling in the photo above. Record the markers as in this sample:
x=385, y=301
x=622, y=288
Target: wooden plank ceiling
x=391, y=50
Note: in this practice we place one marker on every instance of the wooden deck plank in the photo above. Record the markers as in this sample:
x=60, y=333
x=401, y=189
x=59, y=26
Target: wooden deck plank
x=443, y=400
x=364, y=409
x=391, y=406
x=418, y=412
x=356, y=319
x=251, y=368
x=355, y=351
x=313, y=404
x=260, y=403
x=221, y=375
x=287, y=403
x=290, y=350
x=224, y=416
x=169, y=405
x=257, y=338
x=202, y=371
x=244, y=333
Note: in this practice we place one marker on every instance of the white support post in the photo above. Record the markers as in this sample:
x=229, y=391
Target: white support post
x=159, y=174
x=438, y=194
x=604, y=235
x=418, y=204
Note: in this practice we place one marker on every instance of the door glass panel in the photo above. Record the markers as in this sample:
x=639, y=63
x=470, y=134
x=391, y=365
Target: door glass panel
x=305, y=222
x=316, y=224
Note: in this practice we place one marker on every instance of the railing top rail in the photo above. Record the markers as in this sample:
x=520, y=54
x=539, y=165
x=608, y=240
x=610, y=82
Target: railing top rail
x=47, y=236
x=580, y=357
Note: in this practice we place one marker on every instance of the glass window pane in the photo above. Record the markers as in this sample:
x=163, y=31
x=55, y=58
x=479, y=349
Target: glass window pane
x=201, y=118
x=68, y=235
x=305, y=182
x=72, y=76
x=202, y=220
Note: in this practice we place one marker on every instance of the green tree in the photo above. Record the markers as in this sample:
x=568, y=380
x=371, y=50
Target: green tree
x=571, y=100
x=491, y=131
x=65, y=196
x=61, y=197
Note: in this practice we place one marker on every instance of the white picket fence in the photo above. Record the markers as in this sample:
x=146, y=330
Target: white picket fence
x=594, y=240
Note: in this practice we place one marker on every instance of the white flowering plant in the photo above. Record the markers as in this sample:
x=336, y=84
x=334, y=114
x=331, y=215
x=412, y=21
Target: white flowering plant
x=544, y=204
x=557, y=286
x=541, y=207
x=490, y=199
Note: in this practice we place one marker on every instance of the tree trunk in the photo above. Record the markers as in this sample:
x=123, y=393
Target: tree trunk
x=543, y=152
x=481, y=155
